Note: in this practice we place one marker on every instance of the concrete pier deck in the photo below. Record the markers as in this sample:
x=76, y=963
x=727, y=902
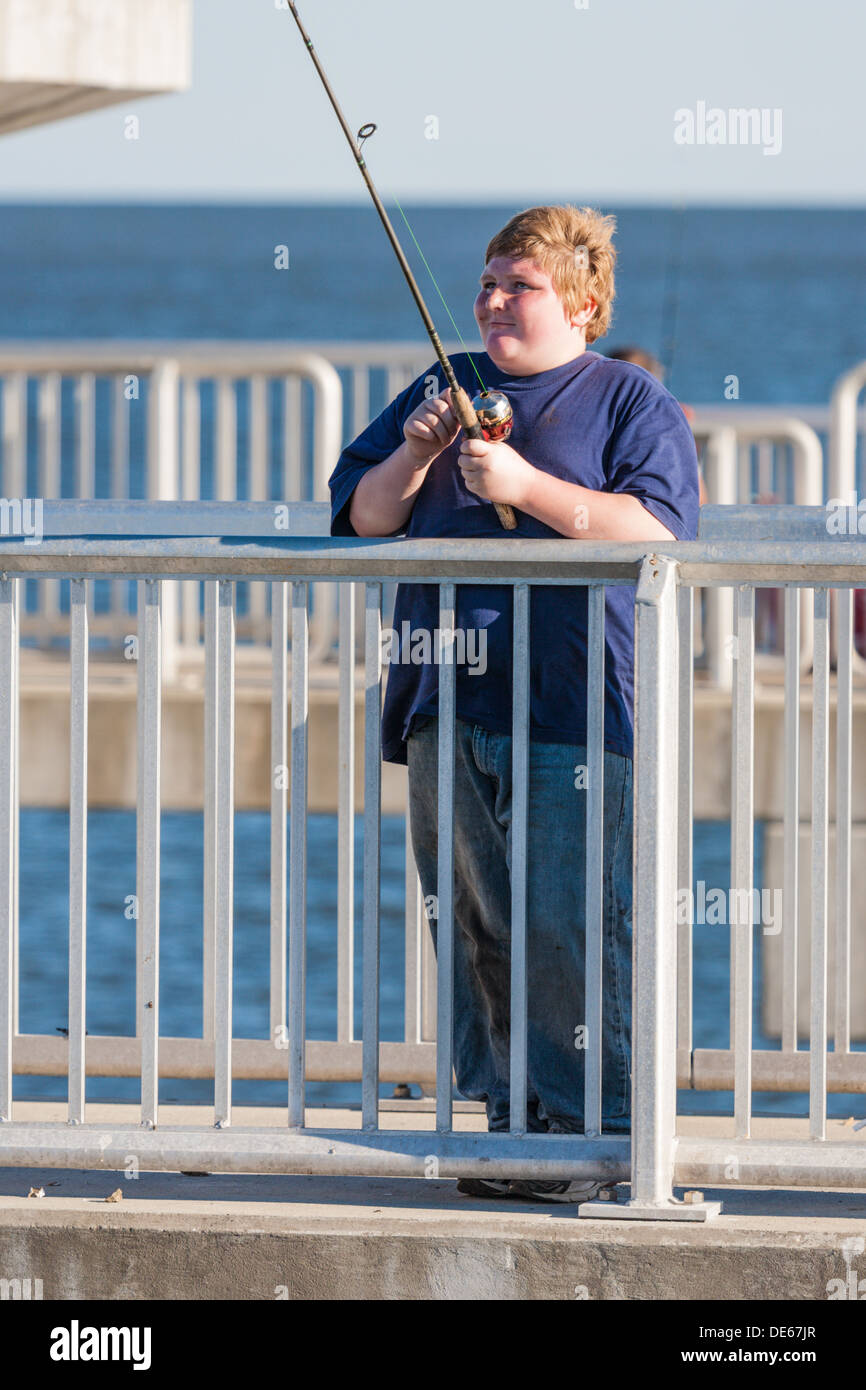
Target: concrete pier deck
x=179, y=1237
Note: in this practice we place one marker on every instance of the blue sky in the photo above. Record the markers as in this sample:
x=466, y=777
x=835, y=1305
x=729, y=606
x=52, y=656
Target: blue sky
x=533, y=100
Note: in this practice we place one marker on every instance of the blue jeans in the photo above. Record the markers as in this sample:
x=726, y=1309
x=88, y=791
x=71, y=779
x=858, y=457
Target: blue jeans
x=555, y=917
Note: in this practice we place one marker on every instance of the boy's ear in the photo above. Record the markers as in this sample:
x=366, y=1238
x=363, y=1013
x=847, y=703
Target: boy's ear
x=582, y=319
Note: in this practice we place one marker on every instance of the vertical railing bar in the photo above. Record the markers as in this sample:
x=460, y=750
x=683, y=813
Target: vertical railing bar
x=844, y=756
x=445, y=861
x=119, y=480
x=428, y=982
x=292, y=440
x=654, y=939
x=49, y=470
x=84, y=409
x=77, y=850
x=226, y=443
x=742, y=857
x=15, y=682
x=224, y=844
x=685, y=809
x=744, y=472
x=766, y=459
x=413, y=932
x=258, y=406
x=520, y=752
x=8, y=644
x=258, y=477
x=791, y=853
x=298, y=856
x=162, y=462
x=191, y=492
x=191, y=463
x=594, y=902
x=15, y=434
x=226, y=440
x=49, y=435
x=140, y=703
x=720, y=461
x=279, y=772
x=15, y=485
x=732, y=947
x=820, y=797
x=211, y=790
x=149, y=813
x=372, y=854
x=346, y=820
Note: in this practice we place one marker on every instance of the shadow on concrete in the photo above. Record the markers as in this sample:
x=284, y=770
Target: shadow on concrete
x=376, y=1194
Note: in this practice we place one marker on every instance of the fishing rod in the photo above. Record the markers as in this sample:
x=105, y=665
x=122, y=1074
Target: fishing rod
x=488, y=415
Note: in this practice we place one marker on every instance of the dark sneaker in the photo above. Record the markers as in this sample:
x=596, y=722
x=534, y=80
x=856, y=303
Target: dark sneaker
x=484, y=1187
x=588, y=1191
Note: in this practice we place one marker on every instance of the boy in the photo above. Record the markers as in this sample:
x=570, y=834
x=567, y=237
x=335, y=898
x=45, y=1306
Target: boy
x=599, y=450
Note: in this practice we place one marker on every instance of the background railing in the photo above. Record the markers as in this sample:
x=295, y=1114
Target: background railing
x=250, y=421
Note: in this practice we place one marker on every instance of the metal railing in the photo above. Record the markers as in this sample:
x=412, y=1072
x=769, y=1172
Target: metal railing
x=728, y=473
x=665, y=581
x=251, y=420
x=132, y=420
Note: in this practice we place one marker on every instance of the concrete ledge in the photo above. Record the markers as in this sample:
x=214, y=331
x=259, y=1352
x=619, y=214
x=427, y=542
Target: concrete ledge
x=345, y=1238
x=243, y=1236
x=63, y=57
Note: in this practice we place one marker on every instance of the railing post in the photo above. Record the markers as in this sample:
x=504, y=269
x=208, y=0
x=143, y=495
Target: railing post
x=842, y=474
x=842, y=480
x=8, y=658
x=654, y=1033
x=163, y=479
x=721, y=473
x=327, y=441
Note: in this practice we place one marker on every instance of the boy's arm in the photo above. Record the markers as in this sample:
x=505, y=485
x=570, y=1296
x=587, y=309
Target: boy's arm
x=385, y=495
x=652, y=481
x=379, y=500
x=580, y=512
x=499, y=474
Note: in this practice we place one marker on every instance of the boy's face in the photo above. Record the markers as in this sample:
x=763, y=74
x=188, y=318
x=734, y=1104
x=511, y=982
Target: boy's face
x=523, y=323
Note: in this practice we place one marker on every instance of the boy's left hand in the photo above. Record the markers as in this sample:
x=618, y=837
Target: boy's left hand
x=494, y=472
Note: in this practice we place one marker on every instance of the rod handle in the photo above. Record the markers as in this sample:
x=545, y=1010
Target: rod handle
x=469, y=420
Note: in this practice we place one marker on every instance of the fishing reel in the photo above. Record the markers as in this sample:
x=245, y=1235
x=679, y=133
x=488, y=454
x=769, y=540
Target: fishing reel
x=495, y=415
x=495, y=419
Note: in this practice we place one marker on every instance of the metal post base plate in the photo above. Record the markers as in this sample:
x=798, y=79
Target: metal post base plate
x=645, y=1211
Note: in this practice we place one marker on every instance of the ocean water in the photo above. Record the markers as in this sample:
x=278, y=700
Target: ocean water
x=777, y=297
x=111, y=947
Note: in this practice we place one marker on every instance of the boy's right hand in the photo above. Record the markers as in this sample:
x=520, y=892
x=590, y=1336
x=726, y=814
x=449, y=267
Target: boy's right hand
x=431, y=428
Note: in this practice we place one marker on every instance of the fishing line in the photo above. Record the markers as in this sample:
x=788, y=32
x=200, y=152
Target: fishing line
x=489, y=414
x=364, y=134
x=442, y=297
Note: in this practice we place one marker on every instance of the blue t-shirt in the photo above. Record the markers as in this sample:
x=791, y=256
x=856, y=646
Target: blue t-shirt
x=604, y=424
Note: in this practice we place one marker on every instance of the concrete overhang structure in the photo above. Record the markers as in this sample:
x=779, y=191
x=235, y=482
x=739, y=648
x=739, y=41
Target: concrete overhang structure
x=64, y=57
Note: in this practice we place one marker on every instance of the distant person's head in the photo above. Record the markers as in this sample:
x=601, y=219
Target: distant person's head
x=641, y=358
x=547, y=288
